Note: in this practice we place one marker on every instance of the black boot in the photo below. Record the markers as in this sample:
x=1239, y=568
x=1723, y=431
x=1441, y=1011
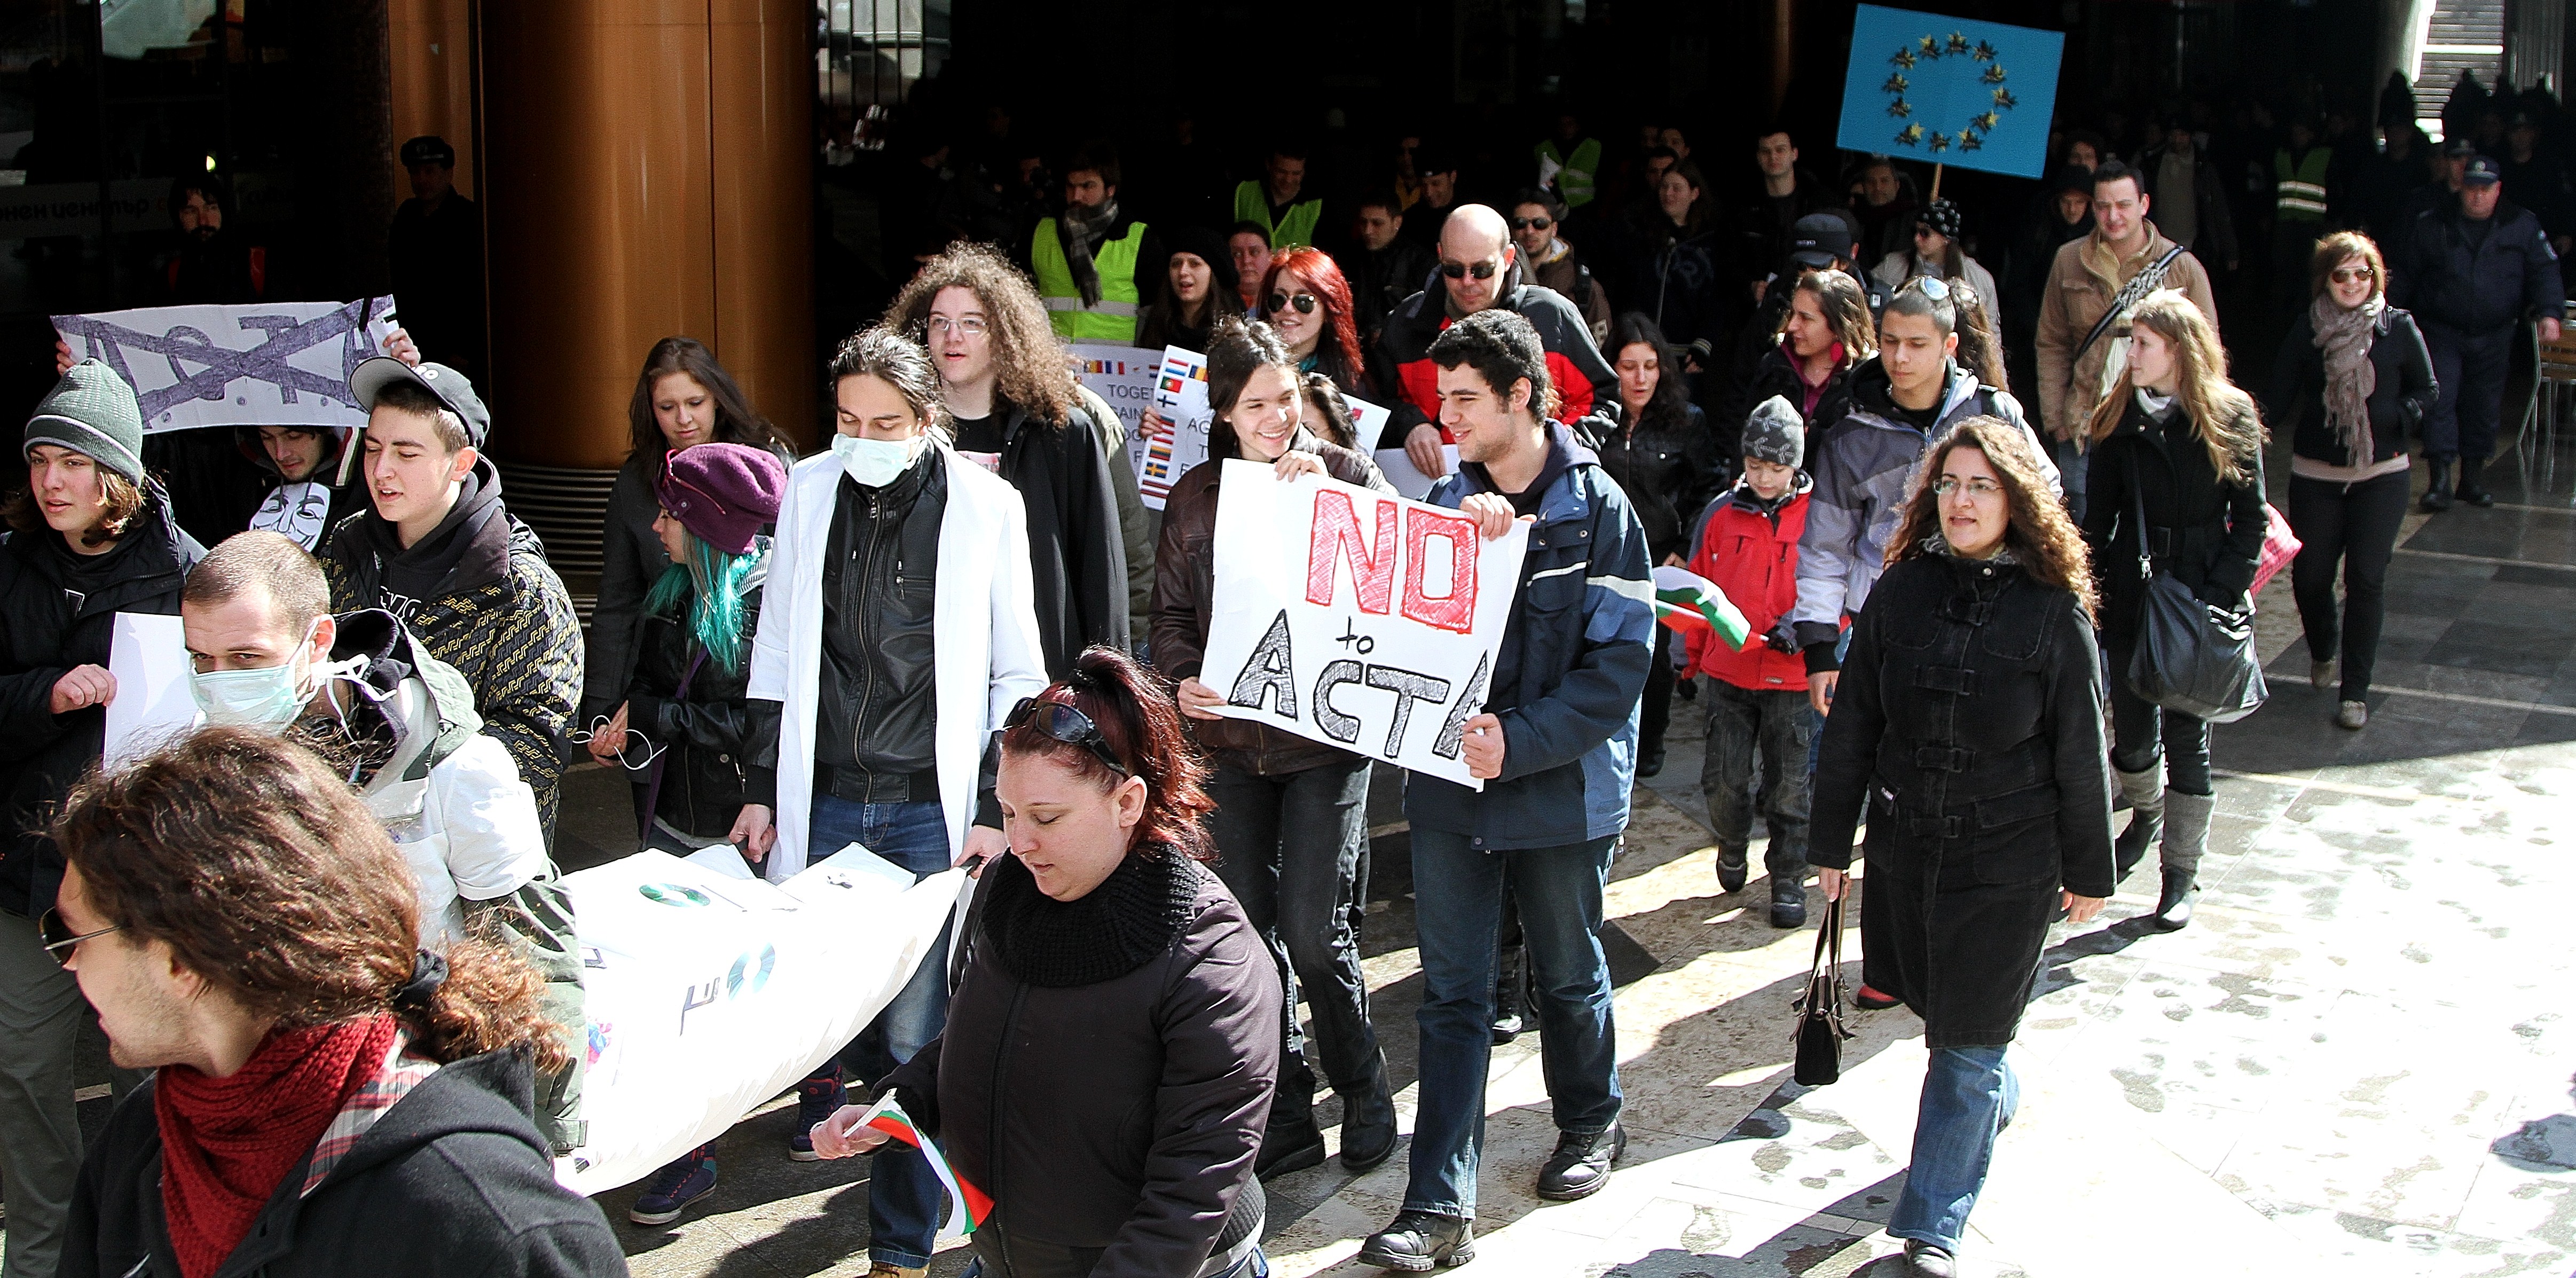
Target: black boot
x=1511, y=995
x=1731, y=870
x=2186, y=839
x=1788, y=902
x=1581, y=1164
x=2473, y=489
x=1368, y=1122
x=1291, y=1142
x=2173, y=909
x=1417, y=1240
x=2437, y=492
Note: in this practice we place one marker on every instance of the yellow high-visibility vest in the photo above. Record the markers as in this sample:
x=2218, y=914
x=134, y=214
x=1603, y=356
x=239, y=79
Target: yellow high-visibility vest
x=1113, y=317
x=2301, y=189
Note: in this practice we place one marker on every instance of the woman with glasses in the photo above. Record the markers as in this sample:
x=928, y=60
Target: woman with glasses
x=2176, y=485
x=683, y=398
x=1968, y=725
x=1132, y=1152
x=2353, y=380
x=1292, y=814
x=898, y=632
x=1938, y=253
x=1307, y=303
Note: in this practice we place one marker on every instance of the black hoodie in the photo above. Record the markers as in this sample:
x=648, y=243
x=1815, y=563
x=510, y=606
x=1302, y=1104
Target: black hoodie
x=343, y=499
x=452, y=1180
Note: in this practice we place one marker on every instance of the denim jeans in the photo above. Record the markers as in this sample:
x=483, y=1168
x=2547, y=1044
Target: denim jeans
x=1770, y=730
x=1969, y=1095
x=903, y=1195
x=1815, y=721
x=1289, y=848
x=2074, y=462
x=1456, y=911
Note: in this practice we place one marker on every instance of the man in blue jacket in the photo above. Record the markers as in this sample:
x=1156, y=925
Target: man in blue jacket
x=1556, y=747
x=2471, y=271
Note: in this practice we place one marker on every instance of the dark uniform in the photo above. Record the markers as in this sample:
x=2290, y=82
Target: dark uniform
x=436, y=252
x=2470, y=283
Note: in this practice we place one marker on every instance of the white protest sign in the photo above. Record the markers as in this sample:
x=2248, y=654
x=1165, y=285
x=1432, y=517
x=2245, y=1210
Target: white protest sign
x=1368, y=422
x=1354, y=618
x=1181, y=400
x=1397, y=465
x=707, y=993
x=1123, y=376
x=261, y=364
x=148, y=654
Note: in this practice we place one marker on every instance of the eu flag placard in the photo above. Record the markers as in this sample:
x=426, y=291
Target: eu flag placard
x=1976, y=95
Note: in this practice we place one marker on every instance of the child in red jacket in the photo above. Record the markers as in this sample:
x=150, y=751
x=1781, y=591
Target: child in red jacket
x=1758, y=714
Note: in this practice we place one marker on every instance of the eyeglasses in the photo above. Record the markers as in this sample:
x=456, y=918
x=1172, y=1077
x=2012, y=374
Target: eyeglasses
x=940, y=325
x=59, y=940
x=1304, y=302
x=1981, y=489
x=1482, y=270
x=1060, y=722
x=2347, y=274
x=1531, y=223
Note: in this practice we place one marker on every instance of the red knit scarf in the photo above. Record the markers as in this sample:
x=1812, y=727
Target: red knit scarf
x=226, y=1143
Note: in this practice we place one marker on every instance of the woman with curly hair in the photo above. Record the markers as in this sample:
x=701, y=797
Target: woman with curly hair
x=1133, y=1153
x=1968, y=723
x=1308, y=303
x=1017, y=411
x=2176, y=480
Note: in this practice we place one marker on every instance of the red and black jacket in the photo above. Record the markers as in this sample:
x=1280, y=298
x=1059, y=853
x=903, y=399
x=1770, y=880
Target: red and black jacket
x=1573, y=362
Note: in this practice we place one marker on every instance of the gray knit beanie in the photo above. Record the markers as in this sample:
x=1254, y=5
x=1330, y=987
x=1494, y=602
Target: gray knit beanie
x=91, y=411
x=1775, y=434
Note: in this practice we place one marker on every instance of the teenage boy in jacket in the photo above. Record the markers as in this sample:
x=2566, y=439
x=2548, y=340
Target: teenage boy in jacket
x=442, y=554
x=1556, y=745
x=1758, y=716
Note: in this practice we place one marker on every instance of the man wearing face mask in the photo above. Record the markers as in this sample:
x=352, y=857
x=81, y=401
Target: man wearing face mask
x=265, y=653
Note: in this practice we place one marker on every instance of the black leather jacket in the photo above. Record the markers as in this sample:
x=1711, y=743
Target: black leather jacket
x=714, y=735
x=878, y=716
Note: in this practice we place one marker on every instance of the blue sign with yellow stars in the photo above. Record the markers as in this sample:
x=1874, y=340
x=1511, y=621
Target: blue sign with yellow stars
x=1977, y=95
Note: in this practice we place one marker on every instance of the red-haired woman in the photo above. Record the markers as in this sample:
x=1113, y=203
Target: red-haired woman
x=1134, y=1154
x=1308, y=303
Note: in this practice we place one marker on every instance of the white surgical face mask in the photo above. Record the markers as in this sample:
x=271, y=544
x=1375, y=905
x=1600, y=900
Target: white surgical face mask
x=875, y=463
x=263, y=700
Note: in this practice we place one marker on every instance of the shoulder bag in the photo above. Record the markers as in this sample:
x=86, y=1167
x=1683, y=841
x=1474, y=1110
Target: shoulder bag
x=2191, y=657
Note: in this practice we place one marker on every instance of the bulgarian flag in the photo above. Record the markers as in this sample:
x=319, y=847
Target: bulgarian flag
x=1692, y=604
x=967, y=1205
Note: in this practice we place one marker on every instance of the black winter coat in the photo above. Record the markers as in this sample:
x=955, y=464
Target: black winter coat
x=1077, y=555
x=2510, y=274
x=1776, y=375
x=1968, y=723
x=714, y=735
x=58, y=610
x=2402, y=390
x=1676, y=282
x=2207, y=533
x=631, y=559
x=1668, y=468
x=452, y=1180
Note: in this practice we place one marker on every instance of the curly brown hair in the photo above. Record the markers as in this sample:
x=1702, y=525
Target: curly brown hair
x=1029, y=364
x=267, y=876
x=2038, y=532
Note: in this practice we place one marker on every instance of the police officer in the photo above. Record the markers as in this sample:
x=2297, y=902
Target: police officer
x=2471, y=271
x=436, y=252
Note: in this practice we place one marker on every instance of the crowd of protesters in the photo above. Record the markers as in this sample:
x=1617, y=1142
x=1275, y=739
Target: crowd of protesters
x=330, y=924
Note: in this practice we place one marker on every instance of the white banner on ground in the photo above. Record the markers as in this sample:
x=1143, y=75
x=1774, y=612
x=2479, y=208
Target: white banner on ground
x=1356, y=619
x=148, y=654
x=261, y=364
x=709, y=991
x=1181, y=400
x=1397, y=465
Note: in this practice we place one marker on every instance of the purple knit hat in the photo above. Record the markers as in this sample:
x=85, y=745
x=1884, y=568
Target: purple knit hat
x=722, y=492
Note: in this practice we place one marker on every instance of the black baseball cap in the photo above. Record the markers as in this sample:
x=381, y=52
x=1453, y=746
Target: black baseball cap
x=444, y=383
x=2458, y=148
x=2482, y=171
x=428, y=149
x=1820, y=239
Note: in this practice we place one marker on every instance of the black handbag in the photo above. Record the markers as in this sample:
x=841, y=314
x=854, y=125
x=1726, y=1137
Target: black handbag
x=2192, y=657
x=1821, y=1032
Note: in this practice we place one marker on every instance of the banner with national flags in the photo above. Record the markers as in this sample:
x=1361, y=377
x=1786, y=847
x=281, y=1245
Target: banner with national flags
x=1692, y=604
x=967, y=1205
x=1181, y=400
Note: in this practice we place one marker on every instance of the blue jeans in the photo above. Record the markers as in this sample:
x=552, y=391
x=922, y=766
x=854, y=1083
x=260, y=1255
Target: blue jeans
x=2074, y=462
x=1457, y=911
x=903, y=1195
x=1969, y=1095
x=1815, y=721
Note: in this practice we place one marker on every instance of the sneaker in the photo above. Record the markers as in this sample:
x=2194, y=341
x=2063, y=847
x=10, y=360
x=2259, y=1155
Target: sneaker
x=671, y=1190
x=2321, y=675
x=816, y=1100
x=2352, y=714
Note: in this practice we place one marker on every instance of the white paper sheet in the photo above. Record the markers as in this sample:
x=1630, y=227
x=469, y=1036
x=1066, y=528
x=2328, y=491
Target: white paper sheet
x=148, y=654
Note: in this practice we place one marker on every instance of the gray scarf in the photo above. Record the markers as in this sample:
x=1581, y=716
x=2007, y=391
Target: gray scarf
x=2343, y=338
x=1080, y=234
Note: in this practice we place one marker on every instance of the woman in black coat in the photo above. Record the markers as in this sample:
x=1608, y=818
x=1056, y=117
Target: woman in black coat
x=2353, y=380
x=1824, y=334
x=1132, y=1153
x=2186, y=448
x=1968, y=723
x=1656, y=443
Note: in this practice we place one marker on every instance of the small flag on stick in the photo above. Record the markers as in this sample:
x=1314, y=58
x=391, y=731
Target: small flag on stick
x=1692, y=604
x=967, y=1205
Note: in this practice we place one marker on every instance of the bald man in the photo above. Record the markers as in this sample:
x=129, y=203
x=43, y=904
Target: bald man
x=1481, y=270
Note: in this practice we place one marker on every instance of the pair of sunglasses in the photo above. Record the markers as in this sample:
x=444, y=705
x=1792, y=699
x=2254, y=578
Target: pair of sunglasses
x=1060, y=722
x=1481, y=270
x=1531, y=223
x=60, y=939
x=1304, y=302
x=2347, y=274
x=1929, y=287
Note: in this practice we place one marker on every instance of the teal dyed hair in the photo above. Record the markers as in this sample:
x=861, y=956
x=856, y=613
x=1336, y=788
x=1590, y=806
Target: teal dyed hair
x=705, y=594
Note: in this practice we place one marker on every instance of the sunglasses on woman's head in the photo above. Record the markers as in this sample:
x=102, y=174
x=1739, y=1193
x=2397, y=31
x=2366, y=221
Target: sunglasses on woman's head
x=1531, y=224
x=2347, y=274
x=1304, y=302
x=1481, y=270
x=1060, y=722
x=1929, y=287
